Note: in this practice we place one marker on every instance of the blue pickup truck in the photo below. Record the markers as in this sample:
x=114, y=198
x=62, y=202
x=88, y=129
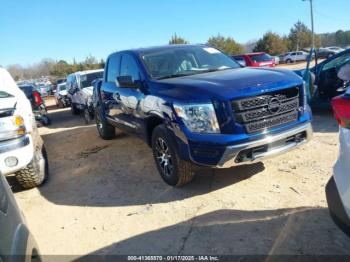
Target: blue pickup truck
x=194, y=105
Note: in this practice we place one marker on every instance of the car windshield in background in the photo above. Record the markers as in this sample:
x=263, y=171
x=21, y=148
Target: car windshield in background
x=185, y=61
x=27, y=90
x=63, y=87
x=87, y=79
x=261, y=58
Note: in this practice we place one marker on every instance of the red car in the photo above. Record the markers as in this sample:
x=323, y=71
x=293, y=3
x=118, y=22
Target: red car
x=258, y=59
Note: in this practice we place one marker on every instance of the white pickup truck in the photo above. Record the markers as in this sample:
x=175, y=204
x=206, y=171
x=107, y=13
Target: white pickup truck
x=22, y=150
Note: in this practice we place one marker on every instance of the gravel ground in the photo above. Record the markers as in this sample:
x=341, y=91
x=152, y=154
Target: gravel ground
x=106, y=197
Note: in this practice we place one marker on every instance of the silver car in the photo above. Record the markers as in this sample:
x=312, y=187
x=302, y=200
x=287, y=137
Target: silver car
x=16, y=242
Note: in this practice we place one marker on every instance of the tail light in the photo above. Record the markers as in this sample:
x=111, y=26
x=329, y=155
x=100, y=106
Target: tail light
x=341, y=108
x=37, y=98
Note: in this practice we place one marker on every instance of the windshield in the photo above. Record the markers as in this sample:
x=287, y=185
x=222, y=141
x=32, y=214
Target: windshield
x=261, y=58
x=62, y=87
x=337, y=62
x=186, y=61
x=87, y=79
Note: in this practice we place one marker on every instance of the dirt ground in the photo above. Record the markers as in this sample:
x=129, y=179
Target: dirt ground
x=106, y=197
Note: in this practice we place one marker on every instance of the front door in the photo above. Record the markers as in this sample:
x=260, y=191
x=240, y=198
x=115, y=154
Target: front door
x=129, y=98
x=329, y=84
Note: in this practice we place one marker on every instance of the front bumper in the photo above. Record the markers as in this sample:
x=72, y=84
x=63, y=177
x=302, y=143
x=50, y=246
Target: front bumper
x=228, y=152
x=256, y=151
x=336, y=207
x=21, y=148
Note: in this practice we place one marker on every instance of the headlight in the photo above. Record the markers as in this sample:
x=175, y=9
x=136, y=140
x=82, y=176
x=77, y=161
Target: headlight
x=198, y=118
x=12, y=127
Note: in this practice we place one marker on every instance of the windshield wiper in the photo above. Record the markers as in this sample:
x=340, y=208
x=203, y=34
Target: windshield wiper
x=194, y=72
x=215, y=69
x=173, y=76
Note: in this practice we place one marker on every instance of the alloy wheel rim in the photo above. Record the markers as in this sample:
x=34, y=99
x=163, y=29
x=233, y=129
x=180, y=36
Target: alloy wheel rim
x=164, y=157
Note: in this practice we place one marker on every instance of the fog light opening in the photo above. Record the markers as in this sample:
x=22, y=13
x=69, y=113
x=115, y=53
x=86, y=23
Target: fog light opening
x=11, y=161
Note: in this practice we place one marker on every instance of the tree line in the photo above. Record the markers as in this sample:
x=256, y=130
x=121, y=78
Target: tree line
x=299, y=37
x=55, y=69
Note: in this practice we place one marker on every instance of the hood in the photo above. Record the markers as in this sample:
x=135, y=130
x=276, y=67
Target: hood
x=88, y=90
x=228, y=84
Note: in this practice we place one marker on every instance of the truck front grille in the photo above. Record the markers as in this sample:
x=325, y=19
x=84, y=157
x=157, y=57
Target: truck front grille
x=268, y=110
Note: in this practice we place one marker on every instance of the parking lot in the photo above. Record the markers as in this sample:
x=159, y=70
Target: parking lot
x=106, y=197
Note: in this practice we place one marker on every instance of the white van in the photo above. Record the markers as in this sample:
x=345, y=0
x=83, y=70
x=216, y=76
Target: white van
x=22, y=150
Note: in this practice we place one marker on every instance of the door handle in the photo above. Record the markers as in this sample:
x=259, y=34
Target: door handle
x=116, y=96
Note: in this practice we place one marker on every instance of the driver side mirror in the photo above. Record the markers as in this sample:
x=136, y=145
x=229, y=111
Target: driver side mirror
x=126, y=82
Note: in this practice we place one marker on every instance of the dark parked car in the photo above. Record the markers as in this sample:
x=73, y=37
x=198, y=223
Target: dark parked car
x=194, y=105
x=38, y=105
x=16, y=242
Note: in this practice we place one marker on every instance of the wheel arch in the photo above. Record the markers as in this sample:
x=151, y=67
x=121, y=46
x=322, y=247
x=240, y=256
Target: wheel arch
x=152, y=122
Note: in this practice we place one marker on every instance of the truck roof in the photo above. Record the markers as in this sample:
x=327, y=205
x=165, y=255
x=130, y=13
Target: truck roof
x=151, y=49
x=88, y=71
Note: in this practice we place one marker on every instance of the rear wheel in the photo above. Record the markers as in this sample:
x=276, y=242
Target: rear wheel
x=36, y=172
x=87, y=116
x=174, y=170
x=106, y=130
x=74, y=109
x=46, y=121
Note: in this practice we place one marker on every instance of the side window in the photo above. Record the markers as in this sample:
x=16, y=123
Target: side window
x=129, y=67
x=292, y=53
x=113, y=68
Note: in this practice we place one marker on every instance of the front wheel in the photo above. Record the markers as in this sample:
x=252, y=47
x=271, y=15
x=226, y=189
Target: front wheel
x=74, y=109
x=105, y=130
x=173, y=170
x=36, y=172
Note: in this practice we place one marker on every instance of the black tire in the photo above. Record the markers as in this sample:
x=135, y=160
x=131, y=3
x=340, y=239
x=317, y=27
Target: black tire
x=46, y=121
x=288, y=61
x=181, y=172
x=74, y=109
x=105, y=130
x=36, y=172
x=87, y=116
